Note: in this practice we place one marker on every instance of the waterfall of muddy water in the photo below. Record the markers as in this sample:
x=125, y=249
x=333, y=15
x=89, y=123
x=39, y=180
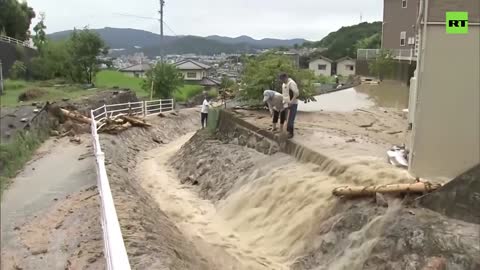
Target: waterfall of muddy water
x=269, y=218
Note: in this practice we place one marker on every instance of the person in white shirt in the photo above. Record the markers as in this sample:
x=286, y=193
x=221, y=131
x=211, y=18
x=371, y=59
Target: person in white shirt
x=290, y=94
x=204, y=111
x=274, y=101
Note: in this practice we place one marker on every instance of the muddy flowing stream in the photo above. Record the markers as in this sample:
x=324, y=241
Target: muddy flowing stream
x=267, y=220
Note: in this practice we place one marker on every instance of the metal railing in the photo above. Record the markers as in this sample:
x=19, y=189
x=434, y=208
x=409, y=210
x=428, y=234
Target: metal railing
x=17, y=42
x=397, y=54
x=144, y=108
x=114, y=248
x=116, y=257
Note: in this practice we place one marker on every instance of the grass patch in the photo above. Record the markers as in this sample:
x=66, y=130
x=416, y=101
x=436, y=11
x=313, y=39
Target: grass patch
x=19, y=151
x=187, y=92
x=112, y=78
x=13, y=89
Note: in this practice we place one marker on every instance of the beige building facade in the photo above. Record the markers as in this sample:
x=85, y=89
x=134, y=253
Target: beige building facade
x=445, y=99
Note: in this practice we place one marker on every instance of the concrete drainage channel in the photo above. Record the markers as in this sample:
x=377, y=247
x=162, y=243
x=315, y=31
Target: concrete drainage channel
x=236, y=199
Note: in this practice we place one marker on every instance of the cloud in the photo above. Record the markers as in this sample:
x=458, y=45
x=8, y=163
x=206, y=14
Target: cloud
x=310, y=19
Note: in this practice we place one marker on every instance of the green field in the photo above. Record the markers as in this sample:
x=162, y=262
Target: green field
x=12, y=89
x=187, y=92
x=112, y=78
x=56, y=90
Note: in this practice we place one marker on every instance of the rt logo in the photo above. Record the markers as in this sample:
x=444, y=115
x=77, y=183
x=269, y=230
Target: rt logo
x=457, y=22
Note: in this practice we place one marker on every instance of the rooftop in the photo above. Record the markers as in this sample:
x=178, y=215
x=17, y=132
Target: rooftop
x=140, y=67
x=189, y=64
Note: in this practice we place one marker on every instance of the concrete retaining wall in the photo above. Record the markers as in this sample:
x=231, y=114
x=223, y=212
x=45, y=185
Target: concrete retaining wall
x=235, y=130
x=9, y=53
x=459, y=199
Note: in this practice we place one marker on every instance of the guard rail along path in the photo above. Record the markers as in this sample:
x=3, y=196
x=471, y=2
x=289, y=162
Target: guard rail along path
x=114, y=248
x=15, y=41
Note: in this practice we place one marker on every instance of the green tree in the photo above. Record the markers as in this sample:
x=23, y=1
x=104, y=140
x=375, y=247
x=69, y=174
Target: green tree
x=53, y=61
x=40, y=37
x=343, y=42
x=383, y=65
x=166, y=79
x=15, y=18
x=18, y=70
x=371, y=42
x=262, y=73
x=84, y=47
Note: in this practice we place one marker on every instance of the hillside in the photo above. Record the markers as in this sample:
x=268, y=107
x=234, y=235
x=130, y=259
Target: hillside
x=262, y=43
x=149, y=43
x=346, y=40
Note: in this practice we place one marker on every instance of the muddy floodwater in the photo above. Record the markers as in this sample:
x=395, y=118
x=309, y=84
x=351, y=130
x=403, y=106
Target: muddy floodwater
x=388, y=94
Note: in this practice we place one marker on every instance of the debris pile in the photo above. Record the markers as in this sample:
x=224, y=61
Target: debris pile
x=111, y=125
x=120, y=123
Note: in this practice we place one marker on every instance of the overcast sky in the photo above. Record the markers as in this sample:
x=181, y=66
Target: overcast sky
x=309, y=19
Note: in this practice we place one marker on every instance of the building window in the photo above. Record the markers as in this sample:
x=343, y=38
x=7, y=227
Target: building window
x=191, y=75
x=403, y=37
x=404, y=3
x=322, y=67
x=349, y=67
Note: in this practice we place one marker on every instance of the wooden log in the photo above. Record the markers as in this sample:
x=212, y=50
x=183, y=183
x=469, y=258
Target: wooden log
x=356, y=191
x=135, y=121
x=76, y=116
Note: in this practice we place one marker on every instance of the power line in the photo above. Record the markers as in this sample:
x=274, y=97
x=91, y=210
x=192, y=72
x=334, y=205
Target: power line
x=147, y=18
x=136, y=16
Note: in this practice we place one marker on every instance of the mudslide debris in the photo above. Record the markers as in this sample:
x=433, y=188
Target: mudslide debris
x=113, y=125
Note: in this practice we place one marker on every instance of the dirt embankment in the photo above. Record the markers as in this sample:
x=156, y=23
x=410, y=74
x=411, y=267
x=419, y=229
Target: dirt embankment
x=285, y=210
x=151, y=239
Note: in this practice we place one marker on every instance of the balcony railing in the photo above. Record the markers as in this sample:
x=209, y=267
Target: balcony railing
x=397, y=54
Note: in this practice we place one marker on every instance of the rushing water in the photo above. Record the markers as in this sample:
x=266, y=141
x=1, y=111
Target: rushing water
x=270, y=215
x=387, y=94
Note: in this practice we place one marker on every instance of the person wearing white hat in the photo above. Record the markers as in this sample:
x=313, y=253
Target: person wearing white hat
x=276, y=107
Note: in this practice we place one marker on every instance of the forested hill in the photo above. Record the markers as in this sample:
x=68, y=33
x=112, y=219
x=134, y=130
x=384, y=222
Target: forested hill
x=346, y=40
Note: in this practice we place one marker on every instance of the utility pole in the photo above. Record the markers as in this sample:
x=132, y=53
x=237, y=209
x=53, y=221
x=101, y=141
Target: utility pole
x=1, y=78
x=162, y=3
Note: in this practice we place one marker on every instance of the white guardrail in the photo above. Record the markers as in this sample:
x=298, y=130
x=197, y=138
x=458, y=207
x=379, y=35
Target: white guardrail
x=114, y=248
x=26, y=43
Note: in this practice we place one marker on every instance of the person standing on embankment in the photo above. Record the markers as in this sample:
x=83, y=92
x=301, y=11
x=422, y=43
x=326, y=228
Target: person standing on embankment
x=274, y=101
x=204, y=111
x=290, y=94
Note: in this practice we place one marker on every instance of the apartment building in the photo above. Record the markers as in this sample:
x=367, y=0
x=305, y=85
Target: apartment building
x=444, y=102
x=399, y=20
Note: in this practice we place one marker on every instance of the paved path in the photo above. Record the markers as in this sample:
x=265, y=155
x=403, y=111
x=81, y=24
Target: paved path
x=54, y=172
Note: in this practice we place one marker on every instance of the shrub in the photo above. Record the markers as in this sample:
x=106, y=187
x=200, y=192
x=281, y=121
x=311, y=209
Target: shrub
x=18, y=70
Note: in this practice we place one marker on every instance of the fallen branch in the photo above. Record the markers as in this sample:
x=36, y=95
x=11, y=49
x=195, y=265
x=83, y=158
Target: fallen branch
x=76, y=116
x=358, y=191
x=367, y=125
x=136, y=122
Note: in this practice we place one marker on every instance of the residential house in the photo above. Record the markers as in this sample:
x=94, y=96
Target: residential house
x=196, y=72
x=345, y=66
x=398, y=27
x=321, y=66
x=444, y=105
x=137, y=71
x=399, y=36
x=192, y=70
